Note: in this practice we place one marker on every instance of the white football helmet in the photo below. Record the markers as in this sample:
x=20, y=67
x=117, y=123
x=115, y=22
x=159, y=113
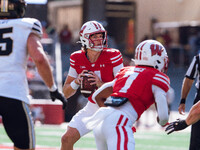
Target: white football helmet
x=90, y=28
x=151, y=53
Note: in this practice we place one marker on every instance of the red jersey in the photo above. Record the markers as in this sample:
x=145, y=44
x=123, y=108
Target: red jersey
x=103, y=67
x=135, y=83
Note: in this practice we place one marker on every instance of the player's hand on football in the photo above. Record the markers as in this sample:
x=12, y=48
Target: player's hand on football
x=95, y=79
x=57, y=95
x=79, y=78
x=176, y=126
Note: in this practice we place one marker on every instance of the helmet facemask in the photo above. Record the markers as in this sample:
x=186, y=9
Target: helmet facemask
x=165, y=68
x=12, y=9
x=94, y=46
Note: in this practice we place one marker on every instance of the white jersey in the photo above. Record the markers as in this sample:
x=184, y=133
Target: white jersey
x=13, y=56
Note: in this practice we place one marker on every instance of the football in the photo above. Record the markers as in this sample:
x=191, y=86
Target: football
x=86, y=88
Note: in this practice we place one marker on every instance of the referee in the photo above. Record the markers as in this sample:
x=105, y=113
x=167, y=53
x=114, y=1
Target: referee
x=192, y=74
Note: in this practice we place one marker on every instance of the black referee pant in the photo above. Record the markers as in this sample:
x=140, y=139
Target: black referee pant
x=195, y=130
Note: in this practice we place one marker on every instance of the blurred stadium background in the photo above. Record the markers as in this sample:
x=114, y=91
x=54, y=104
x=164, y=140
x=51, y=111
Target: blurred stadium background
x=175, y=23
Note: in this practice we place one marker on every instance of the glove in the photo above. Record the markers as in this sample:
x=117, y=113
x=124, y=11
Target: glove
x=57, y=95
x=176, y=126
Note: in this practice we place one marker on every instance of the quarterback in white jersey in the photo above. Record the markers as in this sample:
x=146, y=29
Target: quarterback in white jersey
x=20, y=37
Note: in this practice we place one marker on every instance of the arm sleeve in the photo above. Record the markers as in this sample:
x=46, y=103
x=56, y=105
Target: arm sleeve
x=72, y=72
x=170, y=95
x=104, y=86
x=117, y=69
x=161, y=103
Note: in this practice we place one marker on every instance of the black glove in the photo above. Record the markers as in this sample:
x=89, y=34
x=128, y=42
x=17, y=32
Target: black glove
x=57, y=95
x=176, y=126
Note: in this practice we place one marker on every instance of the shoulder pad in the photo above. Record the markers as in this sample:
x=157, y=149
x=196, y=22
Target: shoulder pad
x=77, y=55
x=114, y=55
x=161, y=80
x=35, y=26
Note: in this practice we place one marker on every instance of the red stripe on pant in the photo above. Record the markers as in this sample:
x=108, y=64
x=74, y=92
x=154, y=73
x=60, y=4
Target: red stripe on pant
x=124, y=131
x=125, y=135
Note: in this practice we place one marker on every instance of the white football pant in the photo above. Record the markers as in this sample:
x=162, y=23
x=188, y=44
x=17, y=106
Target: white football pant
x=115, y=133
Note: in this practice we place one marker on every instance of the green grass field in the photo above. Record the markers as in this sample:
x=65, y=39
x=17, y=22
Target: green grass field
x=50, y=135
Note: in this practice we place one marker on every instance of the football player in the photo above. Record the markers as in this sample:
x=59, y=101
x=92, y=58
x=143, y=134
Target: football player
x=101, y=62
x=133, y=91
x=20, y=37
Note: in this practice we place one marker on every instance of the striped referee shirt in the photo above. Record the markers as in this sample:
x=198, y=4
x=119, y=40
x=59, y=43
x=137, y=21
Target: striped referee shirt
x=193, y=70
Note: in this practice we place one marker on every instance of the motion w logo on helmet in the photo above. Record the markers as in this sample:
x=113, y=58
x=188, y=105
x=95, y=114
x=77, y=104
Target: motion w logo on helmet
x=156, y=49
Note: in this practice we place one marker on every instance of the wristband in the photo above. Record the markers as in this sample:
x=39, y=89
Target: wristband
x=74, y=85
x=53, y=88
x=182, y=101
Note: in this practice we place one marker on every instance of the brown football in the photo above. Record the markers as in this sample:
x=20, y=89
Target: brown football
x=86, y=88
